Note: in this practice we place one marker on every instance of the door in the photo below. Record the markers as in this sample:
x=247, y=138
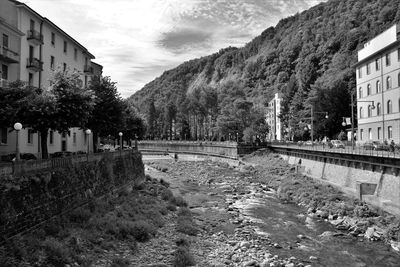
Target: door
x=64, y=142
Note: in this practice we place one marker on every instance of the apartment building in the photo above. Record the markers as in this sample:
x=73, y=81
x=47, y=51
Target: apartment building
x=272, y=118
x=32, y=47
x=378, y=88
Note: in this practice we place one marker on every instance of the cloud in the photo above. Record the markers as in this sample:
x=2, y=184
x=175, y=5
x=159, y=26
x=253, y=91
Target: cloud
x=138, y=40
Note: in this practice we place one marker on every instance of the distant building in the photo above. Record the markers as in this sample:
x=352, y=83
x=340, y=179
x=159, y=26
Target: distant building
x=378, y=88
x=32, y=47
x=272, y=118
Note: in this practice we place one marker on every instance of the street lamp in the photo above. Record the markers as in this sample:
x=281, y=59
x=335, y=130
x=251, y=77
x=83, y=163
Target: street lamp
x=312, y=120
x=120, y=140
x=88, y=132
x=17, y=127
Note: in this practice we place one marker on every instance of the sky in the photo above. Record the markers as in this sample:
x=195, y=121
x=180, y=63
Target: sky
x=137, y=40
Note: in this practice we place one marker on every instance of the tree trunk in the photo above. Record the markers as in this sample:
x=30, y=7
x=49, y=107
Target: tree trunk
x=95, y=143
x=43, y=143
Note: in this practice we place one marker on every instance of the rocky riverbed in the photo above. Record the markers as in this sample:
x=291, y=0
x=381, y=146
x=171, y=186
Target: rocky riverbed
x=226, y=202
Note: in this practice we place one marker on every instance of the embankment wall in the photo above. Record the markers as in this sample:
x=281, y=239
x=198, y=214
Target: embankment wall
x=377, y=185
x=39, y=190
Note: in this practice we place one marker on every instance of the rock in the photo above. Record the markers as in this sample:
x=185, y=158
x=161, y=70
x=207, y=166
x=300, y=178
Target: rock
x=265, y=263
x=301, y=237
x=313, y=258
x=276, y=245
x=244, y=244
x=289, y=265
x=395, y=245
x=310, y=210
x=292, y=259
x=369, y=233
x=322, y=213
x=327, y=234
x=250, y=263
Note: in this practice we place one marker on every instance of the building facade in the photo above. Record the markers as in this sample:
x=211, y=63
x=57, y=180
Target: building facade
x=272, y=118
x=378, y=88
x=32, y=47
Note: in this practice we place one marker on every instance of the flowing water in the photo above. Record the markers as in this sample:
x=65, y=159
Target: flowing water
x=285, y=222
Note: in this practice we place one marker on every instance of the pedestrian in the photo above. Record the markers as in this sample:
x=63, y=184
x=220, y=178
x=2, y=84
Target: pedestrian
x=392, y=146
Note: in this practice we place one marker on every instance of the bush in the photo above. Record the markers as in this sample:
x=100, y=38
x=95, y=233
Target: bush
x=180, y=201
x=140, y=230
x=171, y=206
x=79, y=215
x=187, y=226
x=118, y=262
x=57, y=254
x=167, y=194
x=183, y=258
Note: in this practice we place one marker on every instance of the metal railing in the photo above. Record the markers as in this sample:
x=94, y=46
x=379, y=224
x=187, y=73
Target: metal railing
x=358, y=149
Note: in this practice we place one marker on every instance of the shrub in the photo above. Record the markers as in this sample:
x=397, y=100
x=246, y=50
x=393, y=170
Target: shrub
x=57, y=254
x=118, y=262
x=187, y=226
x=52, y=228
x=164, y=183
x=171, y=206
x=167, y=194
x=79, y=215
x=180, y=201
x=140, y=230
x=183, y=258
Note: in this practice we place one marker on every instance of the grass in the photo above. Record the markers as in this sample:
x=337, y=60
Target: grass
x=84, y=233
x=182, y=255
x=185, y=223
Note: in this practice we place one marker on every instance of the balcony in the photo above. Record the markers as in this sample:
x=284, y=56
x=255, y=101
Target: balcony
x=3, y=83
x=88, y=69
x=34, y=64
x=35, y=37
x=8, y=56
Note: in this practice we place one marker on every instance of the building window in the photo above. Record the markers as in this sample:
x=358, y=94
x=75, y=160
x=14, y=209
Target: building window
x=4, y=72
x=377, y=64
x=361, y=112
x=51, y=137
x=30, y=136
x=388, y=83
x=390, y=132
x=64, y=66
x=5, y=40
x=368, y=89
x=398, y=54
x=52, y=62
x=74, y=138
x=378, y=109
x=32, y=25
x=3, y=135
x=65, y=47
x=361, y=134
x=389, y=107
x=378, y=86
x=398, y=79
x=368, y=68
x=369, y=133
x=75, y=54
x=53, y=38
x=379, y=132
x=30, y=79
x=369, y=111
x=359, y=72
x=360, y=92
x=387, y=56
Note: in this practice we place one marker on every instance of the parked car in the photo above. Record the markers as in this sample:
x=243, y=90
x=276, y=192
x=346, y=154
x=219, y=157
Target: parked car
x=375, y=145
x=309, y=143
x=337, y=144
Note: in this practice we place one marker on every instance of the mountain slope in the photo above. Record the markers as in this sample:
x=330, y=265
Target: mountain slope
x=307, y=57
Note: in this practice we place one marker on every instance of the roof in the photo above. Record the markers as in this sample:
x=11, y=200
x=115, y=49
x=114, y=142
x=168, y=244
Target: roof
x=19, y=4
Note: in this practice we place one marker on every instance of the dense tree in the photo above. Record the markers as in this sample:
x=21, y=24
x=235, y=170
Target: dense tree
x=107, y=115
x=306, y=57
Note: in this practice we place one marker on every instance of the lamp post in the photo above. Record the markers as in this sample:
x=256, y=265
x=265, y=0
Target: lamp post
x=88, y=132
x=17, y=127
x=120, y=141
x=312, y=120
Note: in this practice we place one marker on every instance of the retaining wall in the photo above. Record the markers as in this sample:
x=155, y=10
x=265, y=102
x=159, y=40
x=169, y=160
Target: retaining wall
x=379, y=186
x=35, y=191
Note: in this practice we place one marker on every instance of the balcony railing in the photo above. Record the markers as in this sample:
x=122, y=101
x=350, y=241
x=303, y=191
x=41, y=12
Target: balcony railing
x=34, y=64
x=35, y=37
x=8, y=56
x=88, y=69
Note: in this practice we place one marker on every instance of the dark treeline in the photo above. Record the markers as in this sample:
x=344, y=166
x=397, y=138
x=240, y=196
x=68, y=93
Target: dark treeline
x=307, y=57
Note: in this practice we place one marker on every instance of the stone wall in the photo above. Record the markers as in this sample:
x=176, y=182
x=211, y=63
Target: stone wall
x=32, y=195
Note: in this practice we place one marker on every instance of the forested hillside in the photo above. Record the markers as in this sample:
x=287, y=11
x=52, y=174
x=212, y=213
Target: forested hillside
x=307, y=57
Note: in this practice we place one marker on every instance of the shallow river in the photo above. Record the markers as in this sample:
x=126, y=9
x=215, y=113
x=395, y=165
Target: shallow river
x=285, y=222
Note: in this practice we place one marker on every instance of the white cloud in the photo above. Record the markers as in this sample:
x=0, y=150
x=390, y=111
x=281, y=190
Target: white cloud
x=136, y=40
